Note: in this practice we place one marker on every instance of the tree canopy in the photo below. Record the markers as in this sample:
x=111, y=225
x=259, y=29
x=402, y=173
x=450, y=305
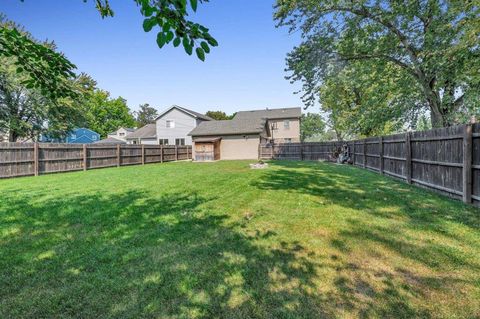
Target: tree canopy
x=37, y=95
x=219, y=115
x=312, y=125
x=145, y=115
x=430, y=47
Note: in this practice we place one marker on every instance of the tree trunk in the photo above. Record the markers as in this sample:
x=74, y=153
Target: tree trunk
x=12, y=136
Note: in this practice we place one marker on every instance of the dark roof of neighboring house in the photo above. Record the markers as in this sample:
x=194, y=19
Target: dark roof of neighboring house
x=148, y=131
x=110, y=140
x=229, y=127
x=193, y=113
x=292, y=112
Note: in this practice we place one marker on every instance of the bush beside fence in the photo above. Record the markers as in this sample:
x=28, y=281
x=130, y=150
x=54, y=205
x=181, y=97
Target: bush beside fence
x=446, y=160
x=27, y=159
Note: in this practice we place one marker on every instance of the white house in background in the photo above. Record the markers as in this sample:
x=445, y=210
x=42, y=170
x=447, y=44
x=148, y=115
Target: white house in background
x=121, y=133
x=174, y=124
x=144, y=135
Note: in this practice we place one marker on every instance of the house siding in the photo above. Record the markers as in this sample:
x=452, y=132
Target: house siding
x=281, y=133
x=184, y=123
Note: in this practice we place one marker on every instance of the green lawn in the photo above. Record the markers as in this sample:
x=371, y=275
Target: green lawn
x=219, y=240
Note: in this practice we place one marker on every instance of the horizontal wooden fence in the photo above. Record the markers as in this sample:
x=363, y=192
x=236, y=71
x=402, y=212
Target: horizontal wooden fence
x=446, y=160
x=27, y=159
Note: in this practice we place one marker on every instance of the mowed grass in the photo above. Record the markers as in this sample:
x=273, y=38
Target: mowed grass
x=219, y=240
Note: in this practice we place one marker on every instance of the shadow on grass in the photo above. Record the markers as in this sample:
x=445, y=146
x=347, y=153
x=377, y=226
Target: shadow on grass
x=382, y=214
x=132, y=255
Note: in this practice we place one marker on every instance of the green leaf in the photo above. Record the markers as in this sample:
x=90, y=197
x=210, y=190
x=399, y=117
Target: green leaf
x=212, y=41
x=148, y=24
x=176, y=42
x=194, y=4
x=169, y=36
x=186, y=45
x=200, y=54
x=161, y=39
x=205, y=47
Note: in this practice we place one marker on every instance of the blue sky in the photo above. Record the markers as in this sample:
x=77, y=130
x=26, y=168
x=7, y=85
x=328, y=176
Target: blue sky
x=246, y=71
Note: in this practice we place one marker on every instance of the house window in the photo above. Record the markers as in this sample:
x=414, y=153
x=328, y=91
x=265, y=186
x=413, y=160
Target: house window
x=94, y=138
x=286, y=124
x=122, y=134
x=170, y=124
x=163, y=141
x=73, y=136
x=179, y=141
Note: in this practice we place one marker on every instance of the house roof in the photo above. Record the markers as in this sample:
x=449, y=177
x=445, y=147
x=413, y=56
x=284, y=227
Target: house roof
x=192, y=113
x=229, y=127
x=110, y=140
x=292, y=112
x=148, y=131
x=128, y=129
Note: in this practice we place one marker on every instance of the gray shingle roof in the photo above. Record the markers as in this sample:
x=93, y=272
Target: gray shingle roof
x=229, y=127
x=292, y=112
x=148, y=131
x=110, y=140
x=195, y=114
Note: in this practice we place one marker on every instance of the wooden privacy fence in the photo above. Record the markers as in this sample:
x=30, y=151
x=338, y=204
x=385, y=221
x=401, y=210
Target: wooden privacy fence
x=446, y=160
x=26, y=159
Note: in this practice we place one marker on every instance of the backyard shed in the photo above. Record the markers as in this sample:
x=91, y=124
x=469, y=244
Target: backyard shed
x=207, y=149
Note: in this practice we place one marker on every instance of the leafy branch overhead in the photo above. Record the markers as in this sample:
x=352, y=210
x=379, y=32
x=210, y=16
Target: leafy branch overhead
x=170, y=16
x=46, y=70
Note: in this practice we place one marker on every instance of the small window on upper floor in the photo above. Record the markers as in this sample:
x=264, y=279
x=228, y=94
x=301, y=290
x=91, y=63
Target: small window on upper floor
x=94, y=138
x=286, y=124
x=170, y=123
x=121, y=134
x=73, y=136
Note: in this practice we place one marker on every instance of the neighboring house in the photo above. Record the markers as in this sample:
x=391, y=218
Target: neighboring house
x=174, y=124
x=241, y=137
x=121, y=133
x=111, y=140
x=76, y=136
x=284, y=123
x=144, y=135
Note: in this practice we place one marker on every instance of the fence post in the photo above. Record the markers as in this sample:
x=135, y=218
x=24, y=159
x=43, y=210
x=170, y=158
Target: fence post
x=176, y=153
x=35, y=159
x=408, y=157
x=161, y=153
x=467, y=164
x=353, y=152
x=380, y=150
x=84, y=157
x=364, y=153
x=302, y=156
x=143, y=154
x=118, y=155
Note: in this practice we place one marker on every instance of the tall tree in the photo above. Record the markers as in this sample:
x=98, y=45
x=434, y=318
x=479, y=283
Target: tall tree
x=219, y=115
x=145, y=115
x=312, y=124
x=105, y=115
x=434, y=43
x=28, y=110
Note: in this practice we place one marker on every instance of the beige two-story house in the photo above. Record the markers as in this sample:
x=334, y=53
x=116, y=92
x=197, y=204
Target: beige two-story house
x=241, y=137
x=283, y=124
